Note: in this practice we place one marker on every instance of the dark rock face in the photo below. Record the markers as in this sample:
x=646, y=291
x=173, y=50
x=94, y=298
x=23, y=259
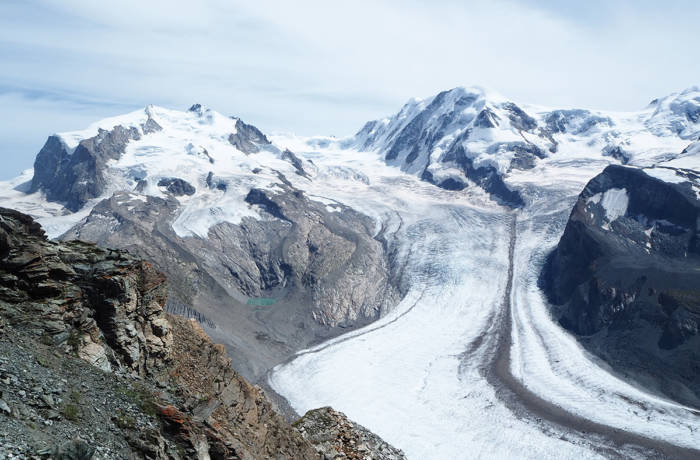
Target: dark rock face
x=75, y=177
x=215, y=184
x=248, y=138
x=625, y=277
x=289, y=156
x=176, y=186
x=518, y=118
x=486, y=119
x=334, y=436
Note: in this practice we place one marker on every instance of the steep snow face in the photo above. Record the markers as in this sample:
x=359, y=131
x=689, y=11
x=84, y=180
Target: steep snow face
x=473, y=136
x=425, y=131
x=130, y=120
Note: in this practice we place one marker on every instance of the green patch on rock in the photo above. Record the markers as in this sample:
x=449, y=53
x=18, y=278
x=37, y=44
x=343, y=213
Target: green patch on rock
x=262, y=302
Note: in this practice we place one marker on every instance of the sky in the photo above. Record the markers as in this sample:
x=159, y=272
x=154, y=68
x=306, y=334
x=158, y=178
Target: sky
x=326, y=67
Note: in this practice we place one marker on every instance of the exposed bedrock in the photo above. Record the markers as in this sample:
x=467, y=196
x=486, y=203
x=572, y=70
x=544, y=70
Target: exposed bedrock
x=625, y=277
x=177, y=186
x=248, y=138
x=74, y=176
x=105, y=306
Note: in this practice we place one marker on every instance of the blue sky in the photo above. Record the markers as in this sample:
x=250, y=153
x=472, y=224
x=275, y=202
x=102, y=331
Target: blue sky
x=326, y=67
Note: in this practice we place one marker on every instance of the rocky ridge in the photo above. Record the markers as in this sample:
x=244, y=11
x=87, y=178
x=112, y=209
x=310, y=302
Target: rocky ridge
x=103, y=305
x=336, y=437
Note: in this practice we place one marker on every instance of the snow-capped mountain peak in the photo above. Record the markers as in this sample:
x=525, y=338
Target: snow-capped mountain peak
x=193, y=154
x=476, y=136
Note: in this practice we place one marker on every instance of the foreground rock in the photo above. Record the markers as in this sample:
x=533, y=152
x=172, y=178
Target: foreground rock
x=336, y=437
x=67, y=303
x=92, y=367
x=102, y=305
x=625, y=276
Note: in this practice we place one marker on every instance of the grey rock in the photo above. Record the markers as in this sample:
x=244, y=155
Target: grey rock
x=334, y=436
x=5, y=408
x=486, y=119
x=47, y=400
x=518, y=118
x=248, y=139
x=112, y=310
x=177, y=187
x=617, y=152
x=288, y=155
x=76, y=449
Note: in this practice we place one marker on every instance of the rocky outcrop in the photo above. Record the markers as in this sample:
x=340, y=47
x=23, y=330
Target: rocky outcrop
x=74, y=176
x=487, y=178
x=238, y=419
x=177, y=186
x=329, y=256
x=626, y=272
x=105, y=306
x=247, y=138
x=334, y=436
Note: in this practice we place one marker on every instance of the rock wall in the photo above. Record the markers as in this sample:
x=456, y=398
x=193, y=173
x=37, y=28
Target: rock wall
x=625, y=277
x=104, y=305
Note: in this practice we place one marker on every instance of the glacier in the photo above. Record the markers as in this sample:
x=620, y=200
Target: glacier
x=470, y=363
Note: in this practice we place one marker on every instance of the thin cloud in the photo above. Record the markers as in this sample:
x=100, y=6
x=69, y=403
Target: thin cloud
x=317, y=67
